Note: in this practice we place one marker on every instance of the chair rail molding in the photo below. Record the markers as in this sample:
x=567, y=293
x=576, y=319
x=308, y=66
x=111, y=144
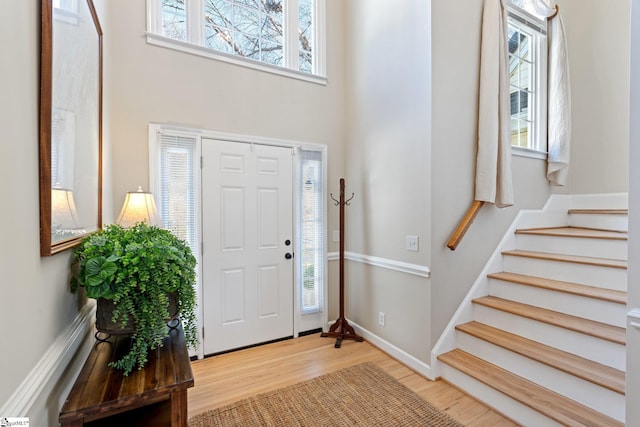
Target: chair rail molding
x=389, y=264
x=52, y=366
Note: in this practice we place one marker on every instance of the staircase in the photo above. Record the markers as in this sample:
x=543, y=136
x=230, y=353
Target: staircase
x=545, y=343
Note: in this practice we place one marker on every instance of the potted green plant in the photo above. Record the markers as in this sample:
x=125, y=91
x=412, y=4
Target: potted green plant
x=138, y=271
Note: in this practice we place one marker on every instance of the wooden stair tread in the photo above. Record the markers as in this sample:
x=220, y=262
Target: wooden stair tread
x=585, y=326
x=599, y=211
x=553, y=405
x=578, y=232
x=602, y=262
x=597, y=373
x=619, y=297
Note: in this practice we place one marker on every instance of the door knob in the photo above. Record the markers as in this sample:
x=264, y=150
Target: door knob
x=288, y=255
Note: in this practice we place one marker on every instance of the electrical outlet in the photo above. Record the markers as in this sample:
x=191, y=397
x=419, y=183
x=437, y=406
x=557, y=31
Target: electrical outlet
x=381, y=318
x=412, y=243
x=336, y=235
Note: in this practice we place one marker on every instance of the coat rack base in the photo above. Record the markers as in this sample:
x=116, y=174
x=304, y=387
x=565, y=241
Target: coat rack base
x=341, y=330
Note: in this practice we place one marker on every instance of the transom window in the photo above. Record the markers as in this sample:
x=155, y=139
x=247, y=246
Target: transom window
x=284, y=34
x=527, y=44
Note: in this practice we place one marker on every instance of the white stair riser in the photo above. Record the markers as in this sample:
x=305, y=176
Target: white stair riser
x=587, y=308
x=585, y=274
x=597, y=248
x=602, y=351
x=592, y=348
x=613, y=222
x=591, y=395
x=507, y=406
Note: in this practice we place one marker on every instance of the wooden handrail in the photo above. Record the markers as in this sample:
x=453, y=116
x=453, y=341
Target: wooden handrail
x=464, y=225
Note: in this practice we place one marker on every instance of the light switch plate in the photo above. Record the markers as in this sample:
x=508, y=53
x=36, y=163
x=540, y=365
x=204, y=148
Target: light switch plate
x=412, y=243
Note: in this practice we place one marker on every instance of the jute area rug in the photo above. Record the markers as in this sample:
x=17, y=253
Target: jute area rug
x=363, y=395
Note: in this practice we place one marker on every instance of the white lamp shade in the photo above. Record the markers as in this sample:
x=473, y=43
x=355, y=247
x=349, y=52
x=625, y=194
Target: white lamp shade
x=63, y=209
x=139, y=206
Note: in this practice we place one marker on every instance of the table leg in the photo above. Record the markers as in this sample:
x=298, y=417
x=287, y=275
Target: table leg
x=179, y=408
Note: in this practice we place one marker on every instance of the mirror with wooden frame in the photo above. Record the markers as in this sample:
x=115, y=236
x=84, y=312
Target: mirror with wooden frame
x=70, y=124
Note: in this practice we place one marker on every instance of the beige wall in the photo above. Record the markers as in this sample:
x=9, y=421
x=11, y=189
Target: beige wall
x=36, y=302
x=598, y=45
x=456, y=46
x=406, y=187
x=598, y=50
x=154, y=84
x=410, y=175
x=388, y=140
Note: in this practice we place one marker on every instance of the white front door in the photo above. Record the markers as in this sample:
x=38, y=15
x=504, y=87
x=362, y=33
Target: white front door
x=247, y=233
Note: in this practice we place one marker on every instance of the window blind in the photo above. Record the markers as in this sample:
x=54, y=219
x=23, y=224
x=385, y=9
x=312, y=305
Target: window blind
x=177, y=192
x=312, y=239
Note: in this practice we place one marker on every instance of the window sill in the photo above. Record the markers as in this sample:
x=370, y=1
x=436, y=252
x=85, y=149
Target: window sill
x=158, y=40
x=526, y=152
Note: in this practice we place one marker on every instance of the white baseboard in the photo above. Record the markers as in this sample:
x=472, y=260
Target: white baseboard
x=50, y=368
x=395, y=352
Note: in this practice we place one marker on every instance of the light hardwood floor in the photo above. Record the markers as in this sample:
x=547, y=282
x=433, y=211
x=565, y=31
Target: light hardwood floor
x=224, y=379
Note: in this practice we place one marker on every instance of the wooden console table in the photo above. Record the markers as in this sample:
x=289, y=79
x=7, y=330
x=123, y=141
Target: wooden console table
x=153, y=396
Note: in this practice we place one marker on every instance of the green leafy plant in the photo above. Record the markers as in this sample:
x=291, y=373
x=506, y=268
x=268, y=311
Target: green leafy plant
x=136, y=268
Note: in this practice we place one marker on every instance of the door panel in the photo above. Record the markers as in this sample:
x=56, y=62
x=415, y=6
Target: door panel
x=233, y=291
x=247, y=217
x=268, y=291
x=268, y=207
x=233, y=214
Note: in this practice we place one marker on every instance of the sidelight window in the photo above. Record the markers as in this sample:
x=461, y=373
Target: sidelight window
x=312, y=231
x=176, y=180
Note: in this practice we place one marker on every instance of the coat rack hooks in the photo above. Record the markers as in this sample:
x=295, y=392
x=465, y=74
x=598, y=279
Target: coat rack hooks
x=346, y=202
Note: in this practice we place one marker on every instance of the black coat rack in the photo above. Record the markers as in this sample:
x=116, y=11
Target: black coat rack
x=341, y=330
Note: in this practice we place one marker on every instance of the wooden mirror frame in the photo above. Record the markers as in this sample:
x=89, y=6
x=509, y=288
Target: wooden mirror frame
x=47, y=245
